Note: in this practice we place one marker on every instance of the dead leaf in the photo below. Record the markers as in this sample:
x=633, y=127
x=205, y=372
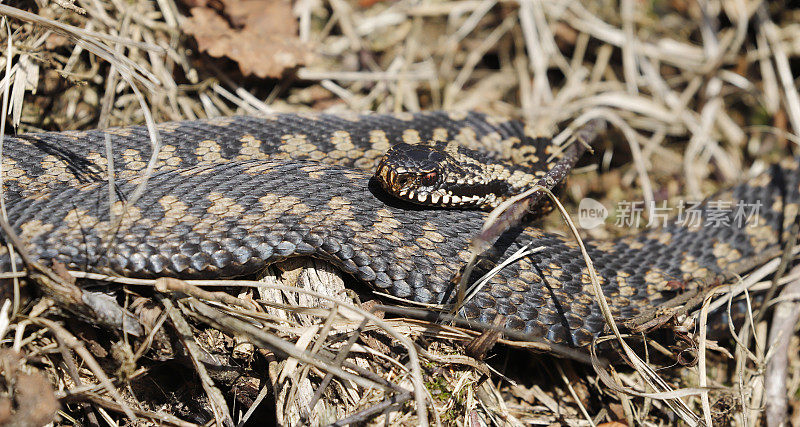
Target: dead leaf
x=260, y=35
x=26, y=398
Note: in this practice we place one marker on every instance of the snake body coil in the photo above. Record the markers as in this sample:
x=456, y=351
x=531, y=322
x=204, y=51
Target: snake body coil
x=224, y=201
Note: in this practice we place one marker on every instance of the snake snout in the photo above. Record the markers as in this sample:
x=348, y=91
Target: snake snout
x=386, y=176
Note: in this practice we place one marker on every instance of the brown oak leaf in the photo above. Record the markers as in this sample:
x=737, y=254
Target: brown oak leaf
x=260, y=35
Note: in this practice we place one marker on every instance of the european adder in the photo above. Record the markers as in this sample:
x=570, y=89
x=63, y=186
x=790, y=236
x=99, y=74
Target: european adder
x=230, y=196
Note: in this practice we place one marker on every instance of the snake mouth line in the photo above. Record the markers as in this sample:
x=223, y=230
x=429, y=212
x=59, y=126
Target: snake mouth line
x=411, y=186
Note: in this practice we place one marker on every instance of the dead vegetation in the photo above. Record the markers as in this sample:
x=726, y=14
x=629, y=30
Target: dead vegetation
x=696, y=93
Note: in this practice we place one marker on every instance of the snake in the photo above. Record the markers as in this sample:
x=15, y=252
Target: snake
x=227, y=197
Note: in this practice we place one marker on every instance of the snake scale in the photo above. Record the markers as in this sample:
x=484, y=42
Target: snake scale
x=230, y=196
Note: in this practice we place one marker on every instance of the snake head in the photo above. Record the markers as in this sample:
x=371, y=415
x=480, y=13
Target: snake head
x=428, y=175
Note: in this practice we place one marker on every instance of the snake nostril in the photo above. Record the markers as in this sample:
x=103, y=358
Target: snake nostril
x=403, y=180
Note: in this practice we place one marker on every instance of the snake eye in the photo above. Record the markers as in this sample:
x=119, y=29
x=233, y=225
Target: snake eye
x=429, y=179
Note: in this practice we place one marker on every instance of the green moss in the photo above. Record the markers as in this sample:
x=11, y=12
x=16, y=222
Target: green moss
x=439, y=388
x=759, y=116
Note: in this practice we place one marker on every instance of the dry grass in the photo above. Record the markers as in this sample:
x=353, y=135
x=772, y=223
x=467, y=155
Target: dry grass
x=696, y=95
